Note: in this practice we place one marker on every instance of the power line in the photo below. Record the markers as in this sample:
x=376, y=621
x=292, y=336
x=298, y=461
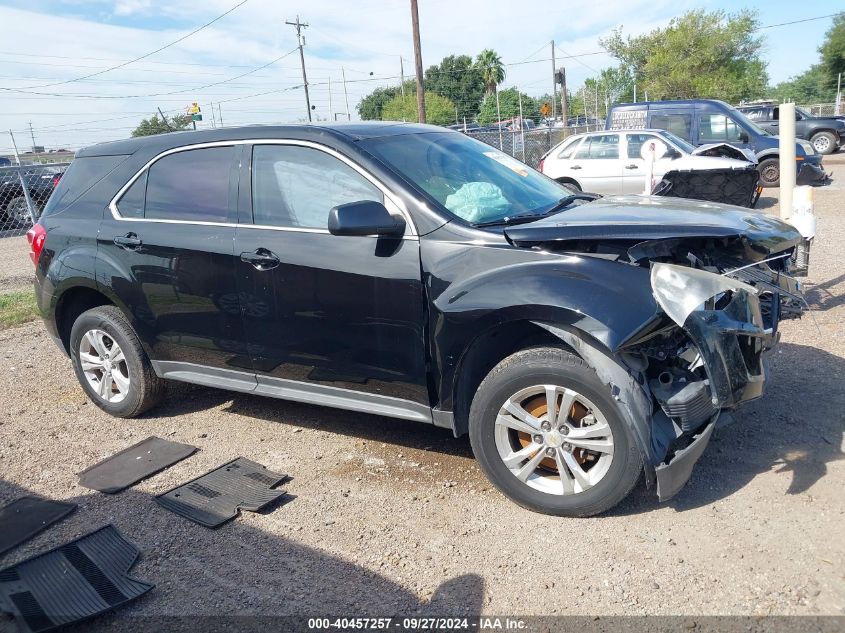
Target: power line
x=150, y=54
x=821, y=17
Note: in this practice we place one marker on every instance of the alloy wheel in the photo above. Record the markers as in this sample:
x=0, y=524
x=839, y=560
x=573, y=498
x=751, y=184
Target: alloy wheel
x=554, y=439
x=821, y=144
x=104, y=365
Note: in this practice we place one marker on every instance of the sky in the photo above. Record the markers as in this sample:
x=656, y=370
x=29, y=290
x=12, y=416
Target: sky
x=47, y=46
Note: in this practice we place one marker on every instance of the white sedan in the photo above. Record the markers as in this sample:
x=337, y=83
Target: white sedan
x=612, y=163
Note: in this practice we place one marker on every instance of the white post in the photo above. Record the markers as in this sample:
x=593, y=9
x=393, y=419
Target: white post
x=838, y=95
x=786, y=132
x=499, y=117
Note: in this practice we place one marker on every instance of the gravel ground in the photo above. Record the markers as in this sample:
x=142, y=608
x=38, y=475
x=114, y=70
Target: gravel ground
x=395, y=517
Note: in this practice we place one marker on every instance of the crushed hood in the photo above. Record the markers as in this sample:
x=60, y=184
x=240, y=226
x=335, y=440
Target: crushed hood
x=639, y=219
x=726, y=151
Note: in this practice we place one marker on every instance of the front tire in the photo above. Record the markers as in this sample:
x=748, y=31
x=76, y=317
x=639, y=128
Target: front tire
x=824, y=142
x=579, y=461
x=769, y=172
x=111, y=364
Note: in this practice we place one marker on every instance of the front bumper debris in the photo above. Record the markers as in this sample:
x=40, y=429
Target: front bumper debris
x=672, y=476
x=812, y=173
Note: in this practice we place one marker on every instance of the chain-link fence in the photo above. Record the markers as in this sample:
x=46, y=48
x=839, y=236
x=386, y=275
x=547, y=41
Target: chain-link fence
x=823, y=109
x=529, y=146
x=24, y=191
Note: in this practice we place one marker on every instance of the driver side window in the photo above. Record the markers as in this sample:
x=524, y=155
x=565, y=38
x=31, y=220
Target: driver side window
x=296, y=187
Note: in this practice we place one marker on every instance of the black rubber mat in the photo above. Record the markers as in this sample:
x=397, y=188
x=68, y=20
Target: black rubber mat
x=133, y=464
x=71, y=583
x=23, y=518
x=216, y=497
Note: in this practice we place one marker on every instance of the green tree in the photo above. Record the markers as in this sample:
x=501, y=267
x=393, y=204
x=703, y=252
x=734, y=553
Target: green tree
x=508, y=107
x=458, y=79
x=833, y=48
x=439, y=110
x=811, y=86
x=492, y=69
x=370, y=107
x=157, y=125
x=699, y=54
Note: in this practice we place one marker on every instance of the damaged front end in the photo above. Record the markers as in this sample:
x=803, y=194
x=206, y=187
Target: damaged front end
x=706, y=353
x=722, y=281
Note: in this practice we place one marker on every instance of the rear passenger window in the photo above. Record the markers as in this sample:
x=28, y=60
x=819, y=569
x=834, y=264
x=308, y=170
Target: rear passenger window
x=296, y=186
x=568, y=148
x=193, y=185
x=602, y=146
x=678, y=124
x=717, y=127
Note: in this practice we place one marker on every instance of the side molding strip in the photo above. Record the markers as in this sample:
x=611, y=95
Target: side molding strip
x=310, y=393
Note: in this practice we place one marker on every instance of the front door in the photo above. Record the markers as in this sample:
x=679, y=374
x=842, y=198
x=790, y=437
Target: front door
x=343, y=312
x=166, y=248
x=597, y=165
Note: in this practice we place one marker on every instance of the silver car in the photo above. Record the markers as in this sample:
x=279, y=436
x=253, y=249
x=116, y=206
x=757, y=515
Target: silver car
x=611, y=162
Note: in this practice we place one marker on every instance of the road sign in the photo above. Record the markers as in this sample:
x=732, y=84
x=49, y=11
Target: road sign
x=194, y=108
x=545, y=109
x=196, y=117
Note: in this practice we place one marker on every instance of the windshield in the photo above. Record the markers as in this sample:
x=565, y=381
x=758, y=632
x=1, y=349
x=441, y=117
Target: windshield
x=472, y=180
x=678, y=141
x=748, y=123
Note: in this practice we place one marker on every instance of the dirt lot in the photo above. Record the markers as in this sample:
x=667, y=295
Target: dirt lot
x=393, y=517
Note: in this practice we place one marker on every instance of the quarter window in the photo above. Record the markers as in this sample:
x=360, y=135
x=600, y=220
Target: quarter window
x=295, y=186
x=193, y=185
x=131, y=204
x=717, y=127
x=568, y=148
x=602, y=146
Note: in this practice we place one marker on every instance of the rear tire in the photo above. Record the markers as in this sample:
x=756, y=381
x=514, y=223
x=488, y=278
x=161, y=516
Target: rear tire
x=557, y=374
x=111, y=364
x=17, y=213
x=824, y=142
x=769, y=172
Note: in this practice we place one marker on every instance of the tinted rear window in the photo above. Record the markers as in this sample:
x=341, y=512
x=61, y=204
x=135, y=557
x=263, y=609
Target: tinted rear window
x=81, y=175
x=192, y=185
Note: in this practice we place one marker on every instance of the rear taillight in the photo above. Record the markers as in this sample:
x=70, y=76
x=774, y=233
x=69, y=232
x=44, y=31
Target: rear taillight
x=36, y=236
x=540, y=166
x=56, y=180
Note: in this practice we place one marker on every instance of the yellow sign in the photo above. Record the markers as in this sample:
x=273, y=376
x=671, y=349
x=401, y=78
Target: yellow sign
x=545, y=109
x=195, y=108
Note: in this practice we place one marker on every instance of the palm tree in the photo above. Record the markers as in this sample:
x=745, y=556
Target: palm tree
x=492, y=69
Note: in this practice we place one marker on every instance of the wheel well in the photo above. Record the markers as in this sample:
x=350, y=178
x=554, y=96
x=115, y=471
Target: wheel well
x=569, y=181
x=485, y=352
x=72, y=303
x=824, y=130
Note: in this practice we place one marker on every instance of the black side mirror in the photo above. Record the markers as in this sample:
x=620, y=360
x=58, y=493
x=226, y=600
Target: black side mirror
x=366, y=217
x=743, y=137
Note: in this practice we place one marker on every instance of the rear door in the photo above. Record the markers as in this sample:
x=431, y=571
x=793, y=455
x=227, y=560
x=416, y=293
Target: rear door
x=597, y=165
x=715, y=127
x=323, y=312
x=167, y=252
x=635, y=169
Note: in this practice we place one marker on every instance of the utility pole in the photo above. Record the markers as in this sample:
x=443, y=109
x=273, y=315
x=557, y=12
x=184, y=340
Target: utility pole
x=415, y=24
x=32, y=134
x=220, y=113
x=331, y=116
x=213, y=119
x=299, y=26
x=345, y=93
x=564, y=97
x=402, y=75
x=554, y=83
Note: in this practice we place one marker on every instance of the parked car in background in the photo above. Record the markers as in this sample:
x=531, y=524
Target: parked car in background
x=580, y=121
x=41, y=181
x=415, y=272
x=611, y=162
x=704, y=121
x=825, y=133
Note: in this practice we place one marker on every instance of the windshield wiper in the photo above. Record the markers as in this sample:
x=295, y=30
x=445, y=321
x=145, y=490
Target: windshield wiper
x=523, y=218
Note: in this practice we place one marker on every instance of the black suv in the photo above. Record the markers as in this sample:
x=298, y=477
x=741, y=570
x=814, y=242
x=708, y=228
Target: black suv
x=825, y=133
x=414, y=272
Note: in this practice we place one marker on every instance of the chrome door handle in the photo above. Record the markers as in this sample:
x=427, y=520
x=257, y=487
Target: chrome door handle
x=631, y=167
x=129, y=241
x=575, y=167
x=261, y=259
